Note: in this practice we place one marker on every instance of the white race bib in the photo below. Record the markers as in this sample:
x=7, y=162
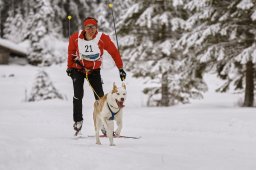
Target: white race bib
x=89, y=50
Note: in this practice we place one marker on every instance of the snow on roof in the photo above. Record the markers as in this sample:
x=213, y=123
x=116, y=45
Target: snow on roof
x=13, y=47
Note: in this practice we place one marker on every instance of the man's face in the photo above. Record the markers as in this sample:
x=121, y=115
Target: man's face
x=90, y=29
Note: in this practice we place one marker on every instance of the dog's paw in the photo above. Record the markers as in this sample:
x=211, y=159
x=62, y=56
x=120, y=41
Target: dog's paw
x=112, y=144
x=98, y=143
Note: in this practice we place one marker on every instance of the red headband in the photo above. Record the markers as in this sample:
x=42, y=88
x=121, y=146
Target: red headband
x=90, y=21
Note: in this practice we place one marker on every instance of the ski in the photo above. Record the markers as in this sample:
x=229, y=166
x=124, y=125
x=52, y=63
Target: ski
x=131, y=137
x=121, y=136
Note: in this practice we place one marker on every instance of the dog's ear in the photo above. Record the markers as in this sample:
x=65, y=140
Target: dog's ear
x=114, y=90
x=123, y=85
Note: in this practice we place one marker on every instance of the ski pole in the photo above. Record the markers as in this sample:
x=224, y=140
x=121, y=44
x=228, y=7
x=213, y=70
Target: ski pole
x=111, y=7
x=69, y=18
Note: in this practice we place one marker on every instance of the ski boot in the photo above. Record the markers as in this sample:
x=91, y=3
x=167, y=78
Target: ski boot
x=77, y=127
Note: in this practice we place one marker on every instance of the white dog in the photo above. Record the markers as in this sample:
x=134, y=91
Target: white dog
x=106, y=110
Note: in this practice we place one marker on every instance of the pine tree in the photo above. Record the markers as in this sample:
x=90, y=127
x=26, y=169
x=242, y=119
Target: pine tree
x=103, y=15
x=43, y=88
x=14, y=27
x=76, y=20
x=120, y=7
x=78, y=10
x=221, y=35
x=117, y=8
x=59, y=15
x=42, y=30
x=148, y=32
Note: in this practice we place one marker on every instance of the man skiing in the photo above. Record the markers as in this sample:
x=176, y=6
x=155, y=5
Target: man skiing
x=85, y=52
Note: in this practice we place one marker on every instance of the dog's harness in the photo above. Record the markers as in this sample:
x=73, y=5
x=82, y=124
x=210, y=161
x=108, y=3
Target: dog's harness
x=112, y=113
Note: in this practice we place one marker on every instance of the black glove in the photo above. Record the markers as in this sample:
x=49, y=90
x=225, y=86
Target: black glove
x=122, y=74
x=70, y=71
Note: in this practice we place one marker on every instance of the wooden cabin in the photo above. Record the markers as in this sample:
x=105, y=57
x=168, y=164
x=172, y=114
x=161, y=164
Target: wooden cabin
x=9, y=48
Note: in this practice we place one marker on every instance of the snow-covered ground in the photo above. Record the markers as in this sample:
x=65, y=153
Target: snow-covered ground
x=209, y=134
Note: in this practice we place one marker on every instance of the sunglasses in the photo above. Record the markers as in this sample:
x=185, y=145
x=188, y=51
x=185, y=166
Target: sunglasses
x=90, y=27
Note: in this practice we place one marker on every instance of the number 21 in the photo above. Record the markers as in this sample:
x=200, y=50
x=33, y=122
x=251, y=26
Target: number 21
x=87, y=48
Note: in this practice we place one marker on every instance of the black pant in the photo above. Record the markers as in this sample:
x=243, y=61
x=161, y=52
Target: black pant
x=78, y=85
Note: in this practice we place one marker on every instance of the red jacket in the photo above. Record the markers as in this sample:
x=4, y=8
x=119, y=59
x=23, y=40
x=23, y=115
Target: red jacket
x=105, y=43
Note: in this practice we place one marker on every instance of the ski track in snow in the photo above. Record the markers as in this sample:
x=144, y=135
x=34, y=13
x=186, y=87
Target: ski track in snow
x=207, y=134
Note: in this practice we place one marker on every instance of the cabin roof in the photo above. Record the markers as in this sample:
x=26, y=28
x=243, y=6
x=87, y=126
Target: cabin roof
x=13, y=47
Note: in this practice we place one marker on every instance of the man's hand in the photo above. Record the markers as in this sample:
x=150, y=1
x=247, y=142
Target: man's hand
x=70, y=71
x=122, y=74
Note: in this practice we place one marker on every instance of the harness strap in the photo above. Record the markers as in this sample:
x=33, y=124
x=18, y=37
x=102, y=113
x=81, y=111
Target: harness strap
x=112, y=113
x=86, y=76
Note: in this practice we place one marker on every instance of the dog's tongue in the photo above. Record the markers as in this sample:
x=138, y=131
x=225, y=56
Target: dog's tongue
x=120, y=104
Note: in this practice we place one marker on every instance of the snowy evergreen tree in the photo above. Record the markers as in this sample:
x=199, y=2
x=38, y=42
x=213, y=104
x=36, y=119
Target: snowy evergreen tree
x=79, y=10
x=76, y=20
x=43, y=88
x=15, y=26
x=13, y=20
x=42, y=30
x=149, y=31
x=103, y=14
x=58, y=7
x=120, y=7
x=221, y=34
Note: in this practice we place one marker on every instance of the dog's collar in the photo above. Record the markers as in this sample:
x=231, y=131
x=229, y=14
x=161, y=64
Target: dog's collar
x=112, y=113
